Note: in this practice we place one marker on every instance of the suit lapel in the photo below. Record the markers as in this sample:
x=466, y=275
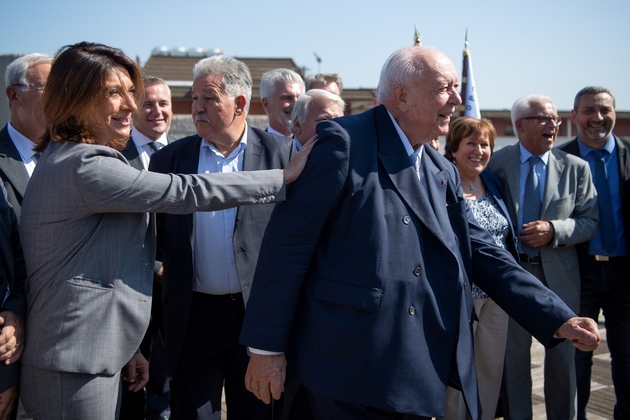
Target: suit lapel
x=554, y=168
x=189, y=164
x=251, y=162
x=624, y=161
x=11, y=163
x=402, y=173
x=512, y=159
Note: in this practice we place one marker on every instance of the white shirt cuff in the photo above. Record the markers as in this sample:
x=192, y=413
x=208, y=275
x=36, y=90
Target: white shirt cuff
x=263, y=352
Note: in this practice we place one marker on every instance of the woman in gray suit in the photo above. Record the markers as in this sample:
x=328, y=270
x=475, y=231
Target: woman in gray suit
x=88, y=233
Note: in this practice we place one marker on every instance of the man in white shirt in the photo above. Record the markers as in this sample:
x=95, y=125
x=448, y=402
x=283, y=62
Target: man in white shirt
x=279, y=90
x=150, y=123
x=25, y=79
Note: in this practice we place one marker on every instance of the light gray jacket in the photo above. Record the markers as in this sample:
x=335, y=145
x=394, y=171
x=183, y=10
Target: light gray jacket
x=85, y=228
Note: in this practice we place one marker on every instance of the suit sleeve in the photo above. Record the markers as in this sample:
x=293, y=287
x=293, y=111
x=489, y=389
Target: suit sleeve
x=290, y=240
x=584, y=220
x=107, y=184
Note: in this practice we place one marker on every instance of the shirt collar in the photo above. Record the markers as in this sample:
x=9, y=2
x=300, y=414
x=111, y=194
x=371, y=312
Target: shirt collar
x=585, y=150
x=404, y=139
x=23, y=144
x=236, y=151
x=525, y=155
x=272, y=131
x=140, y=139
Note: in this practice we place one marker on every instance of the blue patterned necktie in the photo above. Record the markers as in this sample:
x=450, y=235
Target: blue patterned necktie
x=531, y=202
x=609, y=235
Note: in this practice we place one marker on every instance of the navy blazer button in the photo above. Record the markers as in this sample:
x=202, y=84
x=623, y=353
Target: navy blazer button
x=412, y=310
x=406, y=220
x=417, y=271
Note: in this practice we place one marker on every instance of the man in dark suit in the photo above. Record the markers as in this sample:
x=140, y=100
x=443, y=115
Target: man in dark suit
x=604, y=260
x=12, y=305
x=279, y=90
x=364, y=275
x=150, y=124
x=25, y=79
x=209, y=258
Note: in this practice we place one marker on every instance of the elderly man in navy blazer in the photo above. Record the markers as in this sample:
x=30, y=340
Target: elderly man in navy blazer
x=364, y=275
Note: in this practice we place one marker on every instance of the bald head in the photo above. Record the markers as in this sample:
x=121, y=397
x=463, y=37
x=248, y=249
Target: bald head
x=418, y=86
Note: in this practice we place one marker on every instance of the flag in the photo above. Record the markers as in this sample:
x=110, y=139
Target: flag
x=470, y=105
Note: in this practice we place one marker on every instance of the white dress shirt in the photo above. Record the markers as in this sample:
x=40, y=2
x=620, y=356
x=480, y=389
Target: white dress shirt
x=142, y=143
x=24, y=147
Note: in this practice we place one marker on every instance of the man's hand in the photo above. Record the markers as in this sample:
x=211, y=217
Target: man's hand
x=536, y=234
x=265, y=375
x=582, y=332
x=136, y=371
x=11, y=338
x=7, y=402
x=298, y=161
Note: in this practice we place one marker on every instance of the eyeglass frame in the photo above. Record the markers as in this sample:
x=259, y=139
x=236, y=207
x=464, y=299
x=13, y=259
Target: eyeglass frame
x=24, y=87
x=557, y=121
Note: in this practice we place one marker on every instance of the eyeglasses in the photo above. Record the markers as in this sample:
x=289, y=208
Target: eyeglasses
x=25, y=87
x=544, y=120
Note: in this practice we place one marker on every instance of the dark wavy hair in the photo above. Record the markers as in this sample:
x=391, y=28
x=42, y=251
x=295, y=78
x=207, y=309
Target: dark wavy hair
x=75, y=88
x=465, y=127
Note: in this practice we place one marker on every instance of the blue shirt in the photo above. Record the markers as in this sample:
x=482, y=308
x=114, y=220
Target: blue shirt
x=214, y=261
x=595, y=246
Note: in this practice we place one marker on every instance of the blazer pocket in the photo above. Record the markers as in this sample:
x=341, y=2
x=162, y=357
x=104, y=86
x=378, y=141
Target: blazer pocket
x=561, y=208
x=94, y=284
x=353, y=295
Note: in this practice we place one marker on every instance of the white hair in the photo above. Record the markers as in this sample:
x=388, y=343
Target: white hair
x=271, y=77
x=326, y=78
x=15, y=74
x=399, y=70
x=300, y=109
x=522, y=107
x=234, y=74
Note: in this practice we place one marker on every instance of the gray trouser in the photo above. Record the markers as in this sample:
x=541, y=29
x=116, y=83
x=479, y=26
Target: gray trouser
x=49, y=394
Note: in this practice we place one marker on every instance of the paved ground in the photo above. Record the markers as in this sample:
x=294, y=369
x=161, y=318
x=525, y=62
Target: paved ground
x=600, y=405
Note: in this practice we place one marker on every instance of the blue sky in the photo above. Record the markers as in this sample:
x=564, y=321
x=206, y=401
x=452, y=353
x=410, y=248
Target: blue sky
x=517, y=47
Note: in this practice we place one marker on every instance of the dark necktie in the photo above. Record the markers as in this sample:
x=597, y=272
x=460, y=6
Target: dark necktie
x=609, y=235
x=531, y=202
x=36, y=157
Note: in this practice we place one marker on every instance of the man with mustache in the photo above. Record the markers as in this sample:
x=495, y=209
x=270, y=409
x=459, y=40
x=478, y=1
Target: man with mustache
x=552, y=202
x=209, y=258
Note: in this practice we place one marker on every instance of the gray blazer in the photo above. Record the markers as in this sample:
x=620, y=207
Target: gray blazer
x=89, y=245
x=569, y=203
x=12, y=171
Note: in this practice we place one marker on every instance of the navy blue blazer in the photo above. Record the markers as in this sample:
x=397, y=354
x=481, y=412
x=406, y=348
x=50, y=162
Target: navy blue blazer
x=494, y=185
x=364, y=274
x=175, y=232
x=12, y=277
